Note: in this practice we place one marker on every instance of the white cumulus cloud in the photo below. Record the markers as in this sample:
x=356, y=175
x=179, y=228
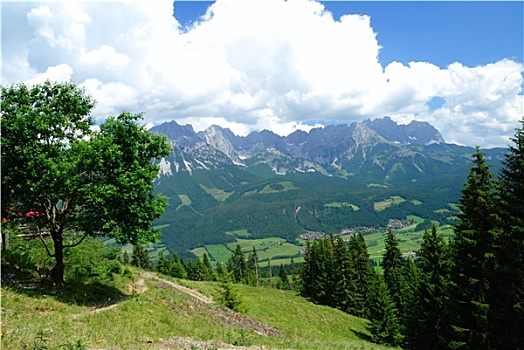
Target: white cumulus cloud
x=251, y=65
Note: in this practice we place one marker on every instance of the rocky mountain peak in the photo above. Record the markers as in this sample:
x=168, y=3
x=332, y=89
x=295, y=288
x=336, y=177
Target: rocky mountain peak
x=414, y=133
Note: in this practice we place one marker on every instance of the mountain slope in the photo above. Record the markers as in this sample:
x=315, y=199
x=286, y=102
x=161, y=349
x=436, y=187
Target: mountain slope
x=270, y=185
x=155, y=312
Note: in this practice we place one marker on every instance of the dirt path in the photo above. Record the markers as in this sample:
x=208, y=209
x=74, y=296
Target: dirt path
x=193, y=293
x=224, y=315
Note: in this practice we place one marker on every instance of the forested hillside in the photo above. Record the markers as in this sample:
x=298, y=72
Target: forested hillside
x=329, y=180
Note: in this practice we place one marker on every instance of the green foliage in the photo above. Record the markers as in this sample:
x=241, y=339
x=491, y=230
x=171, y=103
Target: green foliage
x=426, y=319
x=92, y=260
x=284, y=281
x=392, y=263
x=230, y=298
x=473, y=252
x=75, y=181
x=507, y=308
x=383, y=316
x=140, y=257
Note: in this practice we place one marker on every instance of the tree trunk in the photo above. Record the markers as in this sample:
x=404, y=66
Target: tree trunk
x=57, y=273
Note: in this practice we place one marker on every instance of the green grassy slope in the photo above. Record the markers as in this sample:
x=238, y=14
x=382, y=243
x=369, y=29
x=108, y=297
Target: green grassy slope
x=150, y=313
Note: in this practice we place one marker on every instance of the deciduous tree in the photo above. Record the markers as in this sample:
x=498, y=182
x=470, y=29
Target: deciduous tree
x=79, y=182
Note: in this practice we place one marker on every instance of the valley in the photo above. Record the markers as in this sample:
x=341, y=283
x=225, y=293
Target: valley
x=225, y=190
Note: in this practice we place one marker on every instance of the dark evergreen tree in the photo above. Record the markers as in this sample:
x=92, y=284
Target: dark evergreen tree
x=294, y=284
x=361, y=276
x=283, y=277
x=193, y=272
x=473, y=266
x=508, y=302
x=125, y=258
x=237, y=265
x=383, y=316
x=427, y=327
x=342, y=275
x=162, y=264
x=252, y=268
x=140, y=257
x=392, y=263
x=177, y=267
x=221, y=272
x=409, y=319
x=306, y=289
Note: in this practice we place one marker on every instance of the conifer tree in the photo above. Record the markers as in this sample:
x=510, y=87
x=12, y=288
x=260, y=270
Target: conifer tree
x=237, y=265
x=508, y=302
x=283, y=277
x=208, y=271
x=125, y=258
x=409, y=319
x=362, y=273
x=306, y=289
x=342, y=274
x=221, y=272
x=473, y=259
x=141, y=257
x=162, y=264
x=392, y=263
x=177, y=267
x=427, y=328
x=252, y=266
x=382, y=314
x=294, y=278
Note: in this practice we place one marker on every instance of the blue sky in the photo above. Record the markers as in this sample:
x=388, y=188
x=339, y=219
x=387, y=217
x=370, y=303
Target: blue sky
x=281, y=65
x=441, y=32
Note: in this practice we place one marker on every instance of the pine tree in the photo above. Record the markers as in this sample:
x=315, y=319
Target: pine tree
x=473, y=249
x=283, y=277
x=409, y=320
x=125, y=258
x=140, y=257
x=382, y=314
x=237, y=265
x=361, y=276
x=306, y=288
x=342, y=275
x=508, y=303
x=392, y=263
x=162, y=264
x=208, y=272
x=427, y=328
x=294, y=278
x=252, y=267
x=221, y=272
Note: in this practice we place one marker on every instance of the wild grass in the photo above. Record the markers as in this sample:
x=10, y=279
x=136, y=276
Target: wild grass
x=303, y=324
x=148, y=313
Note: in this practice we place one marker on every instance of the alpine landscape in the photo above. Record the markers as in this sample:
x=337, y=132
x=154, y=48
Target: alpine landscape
x=224, y=189
x=262, y=174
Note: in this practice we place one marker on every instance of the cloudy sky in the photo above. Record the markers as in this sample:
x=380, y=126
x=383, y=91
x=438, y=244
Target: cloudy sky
x=281, y=65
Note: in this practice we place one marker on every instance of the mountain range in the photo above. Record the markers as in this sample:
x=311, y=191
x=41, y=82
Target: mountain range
x=265, y=184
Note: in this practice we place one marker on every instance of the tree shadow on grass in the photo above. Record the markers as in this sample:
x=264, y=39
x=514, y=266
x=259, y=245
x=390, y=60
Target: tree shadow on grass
x=85, y=293
x=362, y=336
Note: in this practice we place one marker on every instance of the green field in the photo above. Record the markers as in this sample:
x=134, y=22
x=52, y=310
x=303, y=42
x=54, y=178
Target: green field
x=266, y=247
x=199, y=252
x=218, y=194
x=218, y=252
x=393, y=200
x=279, y=187
x=341, y=204
x=185, y=199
